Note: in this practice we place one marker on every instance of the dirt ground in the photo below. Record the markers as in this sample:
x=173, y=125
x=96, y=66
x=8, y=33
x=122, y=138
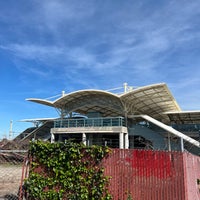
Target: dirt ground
x=10, y=178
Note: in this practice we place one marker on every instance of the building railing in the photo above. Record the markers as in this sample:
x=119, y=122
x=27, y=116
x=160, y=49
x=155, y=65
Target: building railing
x=89, y=122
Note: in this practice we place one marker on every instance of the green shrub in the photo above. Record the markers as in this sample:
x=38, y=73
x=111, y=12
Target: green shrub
x=68, y=171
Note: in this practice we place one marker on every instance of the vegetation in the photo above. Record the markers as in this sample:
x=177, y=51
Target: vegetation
x=68, y=171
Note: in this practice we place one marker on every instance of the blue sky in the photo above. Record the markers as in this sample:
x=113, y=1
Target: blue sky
x=53, y=45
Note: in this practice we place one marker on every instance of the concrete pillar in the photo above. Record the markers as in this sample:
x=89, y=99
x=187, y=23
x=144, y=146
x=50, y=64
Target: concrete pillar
x=182, y=145
x=52, y=138
x=84, y=138
x=121, y=140
x=126, y=142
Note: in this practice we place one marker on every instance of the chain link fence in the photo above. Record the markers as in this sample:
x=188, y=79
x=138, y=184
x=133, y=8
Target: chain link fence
x=11, y=165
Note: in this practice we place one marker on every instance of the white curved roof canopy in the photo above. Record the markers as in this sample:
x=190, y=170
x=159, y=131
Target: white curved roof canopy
x=153, y=100
x=84, y=101
x=91, y=101
x=41, y=101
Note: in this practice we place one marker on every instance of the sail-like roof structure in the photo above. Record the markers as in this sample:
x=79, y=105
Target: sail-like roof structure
x=153, y=100
x=85, y=101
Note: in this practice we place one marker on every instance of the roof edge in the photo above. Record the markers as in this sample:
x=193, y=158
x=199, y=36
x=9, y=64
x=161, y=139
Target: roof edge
x=41, y=101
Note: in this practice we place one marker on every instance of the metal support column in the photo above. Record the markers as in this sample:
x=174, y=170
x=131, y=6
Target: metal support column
x=169, y=142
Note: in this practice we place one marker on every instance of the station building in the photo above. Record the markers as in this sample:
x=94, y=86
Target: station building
x=145, y=117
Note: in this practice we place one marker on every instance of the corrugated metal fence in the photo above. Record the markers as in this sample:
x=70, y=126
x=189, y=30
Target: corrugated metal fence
x=191, y=176
x=134, y=175
x=152, y=175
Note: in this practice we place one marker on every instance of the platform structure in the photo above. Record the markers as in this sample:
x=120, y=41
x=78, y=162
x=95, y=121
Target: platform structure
x=138, y=117
x=91, y=128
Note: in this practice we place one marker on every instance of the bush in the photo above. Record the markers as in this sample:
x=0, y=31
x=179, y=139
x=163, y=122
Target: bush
x=67, y=171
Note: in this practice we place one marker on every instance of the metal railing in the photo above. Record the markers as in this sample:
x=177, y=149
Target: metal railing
x=89, y=122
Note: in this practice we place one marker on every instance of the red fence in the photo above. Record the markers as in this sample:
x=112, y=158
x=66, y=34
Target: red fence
x=152, y=175
x=192, y=176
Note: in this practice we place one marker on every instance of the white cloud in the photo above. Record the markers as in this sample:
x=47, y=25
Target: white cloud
x=31, y=51
x=137, y=39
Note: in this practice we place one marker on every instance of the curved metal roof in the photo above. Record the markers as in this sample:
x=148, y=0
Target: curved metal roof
x=184, y=117
x=85, y=101
x=41, y=101
x=152, y=100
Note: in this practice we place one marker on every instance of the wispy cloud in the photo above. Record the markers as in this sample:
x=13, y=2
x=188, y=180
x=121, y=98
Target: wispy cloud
x=32, y=52
x=140, y=39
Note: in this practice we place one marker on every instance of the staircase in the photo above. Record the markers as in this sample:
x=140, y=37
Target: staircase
x=39, y=133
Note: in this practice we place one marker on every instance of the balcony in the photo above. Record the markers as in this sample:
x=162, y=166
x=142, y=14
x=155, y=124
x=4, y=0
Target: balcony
x=89, y=122
x=92, y=130
x=90, y=125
